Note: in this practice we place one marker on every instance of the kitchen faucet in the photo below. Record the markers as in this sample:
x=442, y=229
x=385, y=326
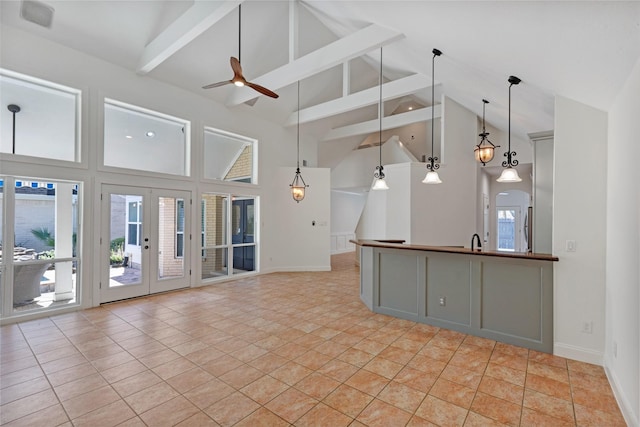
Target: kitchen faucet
x=474, y=237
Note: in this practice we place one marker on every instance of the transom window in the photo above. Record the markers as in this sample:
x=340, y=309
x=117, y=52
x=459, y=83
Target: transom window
x=46, y=117
x=140, y=139
x=229, y=157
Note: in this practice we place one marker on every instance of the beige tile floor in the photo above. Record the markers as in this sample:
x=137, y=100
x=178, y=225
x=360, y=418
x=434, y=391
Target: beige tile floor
x=276, y=350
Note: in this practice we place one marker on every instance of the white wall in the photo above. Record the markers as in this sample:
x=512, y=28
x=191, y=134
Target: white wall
x=579, y=214
x=623, y=249
x=301, y=246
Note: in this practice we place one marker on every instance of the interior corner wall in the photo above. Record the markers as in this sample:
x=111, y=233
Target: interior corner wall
x=300, y=245
x=346, y=209
x=579, y=215
x=622, y=349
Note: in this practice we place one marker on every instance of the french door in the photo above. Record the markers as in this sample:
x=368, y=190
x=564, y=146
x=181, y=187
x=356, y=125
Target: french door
x=145, y=241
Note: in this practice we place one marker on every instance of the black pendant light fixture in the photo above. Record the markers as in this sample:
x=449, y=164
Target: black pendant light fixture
x=432, y=176
x=380, y=183
x=14, y=109
x=485, y=149
x=509, y=174
x=298, y=186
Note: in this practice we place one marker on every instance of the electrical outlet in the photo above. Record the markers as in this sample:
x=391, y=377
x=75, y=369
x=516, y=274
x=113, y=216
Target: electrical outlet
x=587, y=327
x=570, y=246
x=443, y=301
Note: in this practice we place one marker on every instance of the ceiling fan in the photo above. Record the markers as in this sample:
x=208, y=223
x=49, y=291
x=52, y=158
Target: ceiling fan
x=238, y=78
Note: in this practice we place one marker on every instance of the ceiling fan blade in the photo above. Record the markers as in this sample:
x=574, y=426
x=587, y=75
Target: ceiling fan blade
x=262, y=90
x=212, y=85
x=236, y=67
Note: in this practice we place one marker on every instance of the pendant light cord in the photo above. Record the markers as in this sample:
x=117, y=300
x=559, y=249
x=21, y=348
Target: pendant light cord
x=14, y=109
x=509, y=148
x=298, y=138
x=433, y=106
x=484, y=104
x=380, y=107
x=240, y=33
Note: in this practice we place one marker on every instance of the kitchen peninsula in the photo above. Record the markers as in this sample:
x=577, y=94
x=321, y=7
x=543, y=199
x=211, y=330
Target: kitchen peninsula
x=504, y=296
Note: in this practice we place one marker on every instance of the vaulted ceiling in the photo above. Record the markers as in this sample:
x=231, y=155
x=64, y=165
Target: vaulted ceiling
x=582, y=50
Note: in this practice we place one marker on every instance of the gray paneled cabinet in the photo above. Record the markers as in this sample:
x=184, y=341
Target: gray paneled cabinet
x=501, y=298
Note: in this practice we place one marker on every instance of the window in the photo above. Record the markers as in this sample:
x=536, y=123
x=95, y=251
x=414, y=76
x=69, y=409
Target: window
x=179, y=228
x=134, y=220
x=229, y=157
x=140, y=139
x=42, y=227
x=47, y=123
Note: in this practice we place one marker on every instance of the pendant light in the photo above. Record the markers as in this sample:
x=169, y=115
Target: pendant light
x=509, y=174
x=14, y=109
x=380, y=183
x=432, y=176
x=484, y=151
x=298, y=186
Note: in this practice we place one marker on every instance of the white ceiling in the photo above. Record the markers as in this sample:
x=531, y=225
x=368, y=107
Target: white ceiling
x=582, y=50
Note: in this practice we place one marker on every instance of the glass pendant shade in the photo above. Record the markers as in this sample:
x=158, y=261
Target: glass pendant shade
x=432, y=178
x=298, y=187
x=380, y=184
x=485, y=149
x=509, y=174
x=484, y=152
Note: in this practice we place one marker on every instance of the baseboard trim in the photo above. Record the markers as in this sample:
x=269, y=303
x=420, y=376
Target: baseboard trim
x=623, y=403
x=578, y=353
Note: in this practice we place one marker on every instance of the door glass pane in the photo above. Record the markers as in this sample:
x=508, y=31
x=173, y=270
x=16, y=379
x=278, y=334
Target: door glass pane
x=506, y=229
x=214, y=253
x=170, y=237
x=45, y=255
x=124, y=244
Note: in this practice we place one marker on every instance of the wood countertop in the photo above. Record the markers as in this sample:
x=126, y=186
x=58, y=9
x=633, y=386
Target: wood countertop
x=454, y=250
